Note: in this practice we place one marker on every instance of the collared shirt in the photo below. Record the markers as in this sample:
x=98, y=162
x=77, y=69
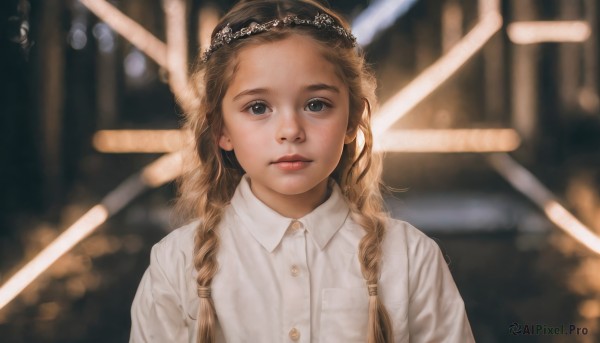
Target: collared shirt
x=286, y=280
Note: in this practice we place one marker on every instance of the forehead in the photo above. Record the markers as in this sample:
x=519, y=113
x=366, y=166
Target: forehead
x=296, y=60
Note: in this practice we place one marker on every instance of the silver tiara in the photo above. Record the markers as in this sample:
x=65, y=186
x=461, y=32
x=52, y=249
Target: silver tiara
x=321, y=21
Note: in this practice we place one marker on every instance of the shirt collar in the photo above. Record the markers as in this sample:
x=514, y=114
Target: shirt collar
x=268, y=227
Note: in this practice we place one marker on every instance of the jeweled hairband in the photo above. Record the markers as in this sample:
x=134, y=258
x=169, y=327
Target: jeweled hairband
x=321, y=21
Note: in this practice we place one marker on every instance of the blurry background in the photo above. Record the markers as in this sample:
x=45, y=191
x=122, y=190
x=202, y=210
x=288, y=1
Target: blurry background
x=490, y=119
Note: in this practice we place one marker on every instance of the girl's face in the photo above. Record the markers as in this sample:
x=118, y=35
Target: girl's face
x=286, y=119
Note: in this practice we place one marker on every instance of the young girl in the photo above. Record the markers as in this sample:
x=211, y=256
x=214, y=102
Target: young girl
x=291, y=242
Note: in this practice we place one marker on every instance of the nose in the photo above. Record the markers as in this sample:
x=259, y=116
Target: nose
x=290, y=128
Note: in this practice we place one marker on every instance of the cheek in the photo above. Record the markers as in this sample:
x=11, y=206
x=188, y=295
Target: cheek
x=248, y=144
x=248, y=137
x=333, y=137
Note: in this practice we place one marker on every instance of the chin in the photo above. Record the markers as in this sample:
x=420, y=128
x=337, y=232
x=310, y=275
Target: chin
x=296, y=187
x=291, y=188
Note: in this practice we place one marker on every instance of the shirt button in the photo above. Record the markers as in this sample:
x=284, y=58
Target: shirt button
x=296, y=225
x=295, y=270
x=294, y=334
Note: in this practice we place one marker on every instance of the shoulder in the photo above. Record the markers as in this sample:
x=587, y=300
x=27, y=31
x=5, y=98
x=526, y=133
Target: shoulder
x=436, y=310
x=411, y=245
x=167, y=288
x=179, y=239
x=176, y=249
x=402, y=233
x=182, y=233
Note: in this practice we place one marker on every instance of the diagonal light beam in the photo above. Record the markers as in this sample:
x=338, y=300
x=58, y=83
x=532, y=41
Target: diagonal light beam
x=436, y=74
x=177, y=54
x=519, y=177
x=526, y=183
x=79, y=230
x=161, y=171
x=378, y=16
x=130, y=30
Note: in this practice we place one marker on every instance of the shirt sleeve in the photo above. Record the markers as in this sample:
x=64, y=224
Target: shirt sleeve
x=436, y=309
x=156, y=313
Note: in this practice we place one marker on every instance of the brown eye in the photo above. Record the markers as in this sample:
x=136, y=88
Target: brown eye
x=316, y=106
x=258, y=108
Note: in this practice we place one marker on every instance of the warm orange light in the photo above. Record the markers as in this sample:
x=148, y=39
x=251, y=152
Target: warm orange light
x=177, y=52
x=165, y=169
x=572, y=226
x=487, y=6
x=526, y=183
x=144, y=141
x=63, y=243
x=532, y=32
x=130, y=30
x=161, y=171
x=590, y=308
x=450, y=141
x=440, y=71
x=209, y=18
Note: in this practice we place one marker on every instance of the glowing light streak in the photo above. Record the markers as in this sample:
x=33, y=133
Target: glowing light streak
x=450, y=141
x=63, y=243
x=526, y=183
x=436, y=74
x=163, y=170
x=487, y=6
x=130, y=30
x=377, y=17
x=176, y=27
x=156, y=174
x=532, y=32
x=144, y=141
x=572, y=226
x=209, y=18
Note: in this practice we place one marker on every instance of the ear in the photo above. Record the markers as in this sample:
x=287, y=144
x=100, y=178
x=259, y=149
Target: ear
x=351, y=132
x=350, y=135
x=353, y=122
x=225, y=141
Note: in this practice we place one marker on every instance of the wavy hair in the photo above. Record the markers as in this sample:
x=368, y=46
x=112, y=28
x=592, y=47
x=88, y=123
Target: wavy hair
x=213, y=174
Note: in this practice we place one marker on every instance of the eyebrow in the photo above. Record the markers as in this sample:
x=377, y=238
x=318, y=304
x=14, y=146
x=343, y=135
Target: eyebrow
x=315, y=87
x=250, y=92
x=323, y=86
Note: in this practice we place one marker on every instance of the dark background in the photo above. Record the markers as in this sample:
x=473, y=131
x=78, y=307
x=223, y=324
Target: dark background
x=511, y=264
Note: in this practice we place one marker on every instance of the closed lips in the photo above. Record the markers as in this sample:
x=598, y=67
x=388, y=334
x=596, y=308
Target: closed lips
x=292, y=158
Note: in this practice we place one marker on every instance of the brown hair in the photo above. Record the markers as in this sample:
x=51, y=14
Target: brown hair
x=214, y=174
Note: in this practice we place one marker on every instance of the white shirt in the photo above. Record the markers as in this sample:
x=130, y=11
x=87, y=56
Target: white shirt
x=285, y=280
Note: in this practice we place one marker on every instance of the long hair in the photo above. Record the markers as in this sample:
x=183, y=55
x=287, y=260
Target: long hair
x=214, y=174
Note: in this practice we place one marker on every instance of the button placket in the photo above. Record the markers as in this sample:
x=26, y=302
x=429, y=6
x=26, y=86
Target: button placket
x=294, y=270
x=295, y=226
x=296, y=286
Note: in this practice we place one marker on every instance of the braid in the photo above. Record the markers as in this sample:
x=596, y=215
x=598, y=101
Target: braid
x=217, y=184
x=205, y=260
x=379, y=325
x=366, y=207
x=205, y=190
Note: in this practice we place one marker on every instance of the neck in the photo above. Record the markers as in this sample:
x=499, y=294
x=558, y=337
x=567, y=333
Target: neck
x=296, y=205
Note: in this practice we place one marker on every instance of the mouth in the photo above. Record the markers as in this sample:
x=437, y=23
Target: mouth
x=292, y=158
x=292, y=163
